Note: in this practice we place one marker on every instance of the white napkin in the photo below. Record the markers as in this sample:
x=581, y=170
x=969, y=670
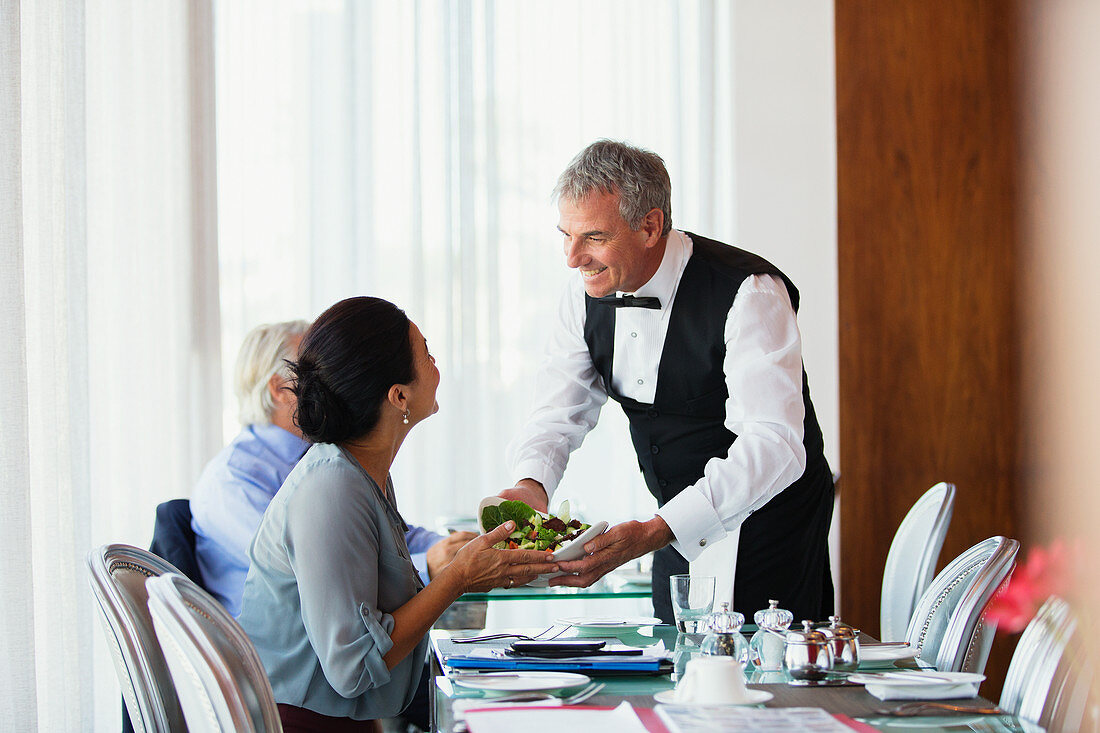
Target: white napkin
x=885, y=654
x=622, y=719
x=461, y=705
x=923, y=692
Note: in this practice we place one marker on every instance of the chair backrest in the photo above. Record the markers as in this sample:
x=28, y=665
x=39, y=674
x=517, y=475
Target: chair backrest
x=948, y=628
x=219, y=677
x=911, y=562
x=1049, y=678
x=173, y=538
x=118, y=575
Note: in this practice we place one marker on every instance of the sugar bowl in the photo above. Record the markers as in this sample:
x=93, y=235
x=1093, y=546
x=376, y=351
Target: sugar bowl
x=808, y=655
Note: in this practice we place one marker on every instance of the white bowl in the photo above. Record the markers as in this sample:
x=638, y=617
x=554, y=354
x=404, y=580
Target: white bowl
x=572, y=550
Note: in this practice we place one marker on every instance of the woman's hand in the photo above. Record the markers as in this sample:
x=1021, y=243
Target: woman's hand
x=479, y=567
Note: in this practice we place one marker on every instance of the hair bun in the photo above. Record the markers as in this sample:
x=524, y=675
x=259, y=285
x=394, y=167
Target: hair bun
x=321, y=415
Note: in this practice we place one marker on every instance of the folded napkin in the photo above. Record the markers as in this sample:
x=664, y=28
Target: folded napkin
x=922, y=686
x=923, y=692
x=876, y=655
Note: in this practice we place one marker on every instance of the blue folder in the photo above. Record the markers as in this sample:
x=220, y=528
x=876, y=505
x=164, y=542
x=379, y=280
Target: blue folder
x=590, y=665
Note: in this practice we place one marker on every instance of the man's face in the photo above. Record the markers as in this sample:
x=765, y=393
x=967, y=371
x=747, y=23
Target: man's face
x=602, y=247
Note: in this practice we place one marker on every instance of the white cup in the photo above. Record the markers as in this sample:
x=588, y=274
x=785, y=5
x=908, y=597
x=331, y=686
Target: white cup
x=712, y=681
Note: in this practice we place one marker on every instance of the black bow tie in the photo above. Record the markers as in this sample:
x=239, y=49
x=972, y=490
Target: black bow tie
x=629, y=301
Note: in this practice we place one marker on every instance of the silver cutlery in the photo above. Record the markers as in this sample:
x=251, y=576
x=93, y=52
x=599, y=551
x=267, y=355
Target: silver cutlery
x=575, y=699
x=919, y=707
x=584, y=694
x=520, y=697
x=916, y=677
x=541, y=636
x=882, y=644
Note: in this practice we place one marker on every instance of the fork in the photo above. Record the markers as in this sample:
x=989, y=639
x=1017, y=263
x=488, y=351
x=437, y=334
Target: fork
x=522, y=637
x=911, y=709
x=588, y=691
x=584, y=694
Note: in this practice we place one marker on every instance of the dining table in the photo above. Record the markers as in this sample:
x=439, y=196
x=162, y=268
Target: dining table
x=452, y=695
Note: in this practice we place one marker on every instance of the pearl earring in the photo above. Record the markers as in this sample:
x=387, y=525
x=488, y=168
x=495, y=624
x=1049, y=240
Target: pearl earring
x=405, y=419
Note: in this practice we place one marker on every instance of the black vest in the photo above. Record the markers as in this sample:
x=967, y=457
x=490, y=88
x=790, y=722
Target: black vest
x=782, y=552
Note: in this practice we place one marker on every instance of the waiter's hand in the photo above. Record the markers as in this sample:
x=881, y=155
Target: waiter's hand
x=620, y=544
x=529, y=491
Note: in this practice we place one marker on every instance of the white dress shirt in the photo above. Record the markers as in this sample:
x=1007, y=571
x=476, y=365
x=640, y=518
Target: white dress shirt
x=763, y=370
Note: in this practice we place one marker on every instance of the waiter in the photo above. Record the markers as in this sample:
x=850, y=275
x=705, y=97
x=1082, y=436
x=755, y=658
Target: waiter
x=699, y=344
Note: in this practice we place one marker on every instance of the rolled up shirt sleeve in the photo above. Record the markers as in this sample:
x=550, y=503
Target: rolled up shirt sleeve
x=764, y=409
x=569, y=395
x=333, y=543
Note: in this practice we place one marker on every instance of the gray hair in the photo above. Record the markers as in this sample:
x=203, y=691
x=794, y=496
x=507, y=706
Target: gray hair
x=637, y=175
x=263, y=354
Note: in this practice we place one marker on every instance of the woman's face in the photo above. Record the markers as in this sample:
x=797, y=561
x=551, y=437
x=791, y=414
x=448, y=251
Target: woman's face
x=422, y=402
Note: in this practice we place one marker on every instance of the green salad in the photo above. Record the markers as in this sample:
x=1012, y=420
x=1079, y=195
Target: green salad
x=534, y=530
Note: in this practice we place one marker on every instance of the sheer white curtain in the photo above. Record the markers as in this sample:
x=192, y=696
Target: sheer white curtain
x=108, y=309
x=408, y=150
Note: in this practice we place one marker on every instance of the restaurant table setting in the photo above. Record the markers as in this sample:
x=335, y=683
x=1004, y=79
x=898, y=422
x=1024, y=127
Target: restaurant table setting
x=470, y=697
x=708, y=671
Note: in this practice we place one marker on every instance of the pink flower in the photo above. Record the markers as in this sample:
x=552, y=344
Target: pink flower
x=1046, y=572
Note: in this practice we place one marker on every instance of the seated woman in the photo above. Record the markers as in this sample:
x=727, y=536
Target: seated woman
x=332, y=601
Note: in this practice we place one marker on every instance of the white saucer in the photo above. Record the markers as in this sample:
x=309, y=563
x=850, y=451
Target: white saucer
x=521, y=681
x=752, y=697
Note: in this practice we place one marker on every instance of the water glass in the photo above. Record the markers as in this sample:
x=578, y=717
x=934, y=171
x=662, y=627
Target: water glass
x=692, y=601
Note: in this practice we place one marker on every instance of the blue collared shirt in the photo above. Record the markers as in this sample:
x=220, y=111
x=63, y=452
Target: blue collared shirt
x=229, y=501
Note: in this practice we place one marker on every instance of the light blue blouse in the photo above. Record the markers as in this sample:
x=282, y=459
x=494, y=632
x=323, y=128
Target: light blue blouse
x=329, y=564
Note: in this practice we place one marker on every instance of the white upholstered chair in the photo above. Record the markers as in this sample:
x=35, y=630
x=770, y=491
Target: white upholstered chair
x=118, y=575
x=220, y=680
x=948, y=628
x=1050, y=676
x=911, y=562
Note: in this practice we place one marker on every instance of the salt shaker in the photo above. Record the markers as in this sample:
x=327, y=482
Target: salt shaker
x=768, y=643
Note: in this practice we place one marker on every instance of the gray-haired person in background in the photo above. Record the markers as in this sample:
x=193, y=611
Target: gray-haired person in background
x=699, y=344
x=238, y=483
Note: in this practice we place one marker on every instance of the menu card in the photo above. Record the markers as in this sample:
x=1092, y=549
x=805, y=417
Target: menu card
x=704, y=719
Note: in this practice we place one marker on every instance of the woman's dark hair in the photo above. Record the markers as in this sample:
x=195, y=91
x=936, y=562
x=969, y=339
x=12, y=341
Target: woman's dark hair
x=347, y=362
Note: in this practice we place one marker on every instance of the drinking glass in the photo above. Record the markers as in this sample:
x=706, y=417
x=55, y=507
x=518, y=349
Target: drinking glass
x=692, y=601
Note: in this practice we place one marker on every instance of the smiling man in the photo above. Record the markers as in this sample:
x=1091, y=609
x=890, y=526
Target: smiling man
x=698, y=342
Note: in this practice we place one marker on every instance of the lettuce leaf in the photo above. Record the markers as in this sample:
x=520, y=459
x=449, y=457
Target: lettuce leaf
x=517, y=511
x=490, y=518
x=493, y=516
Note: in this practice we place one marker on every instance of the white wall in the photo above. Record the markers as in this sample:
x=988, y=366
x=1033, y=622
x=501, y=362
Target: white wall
x=785, y=132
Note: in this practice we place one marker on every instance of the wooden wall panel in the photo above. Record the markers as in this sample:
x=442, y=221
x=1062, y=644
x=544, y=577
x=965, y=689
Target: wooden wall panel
x=926, y=148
